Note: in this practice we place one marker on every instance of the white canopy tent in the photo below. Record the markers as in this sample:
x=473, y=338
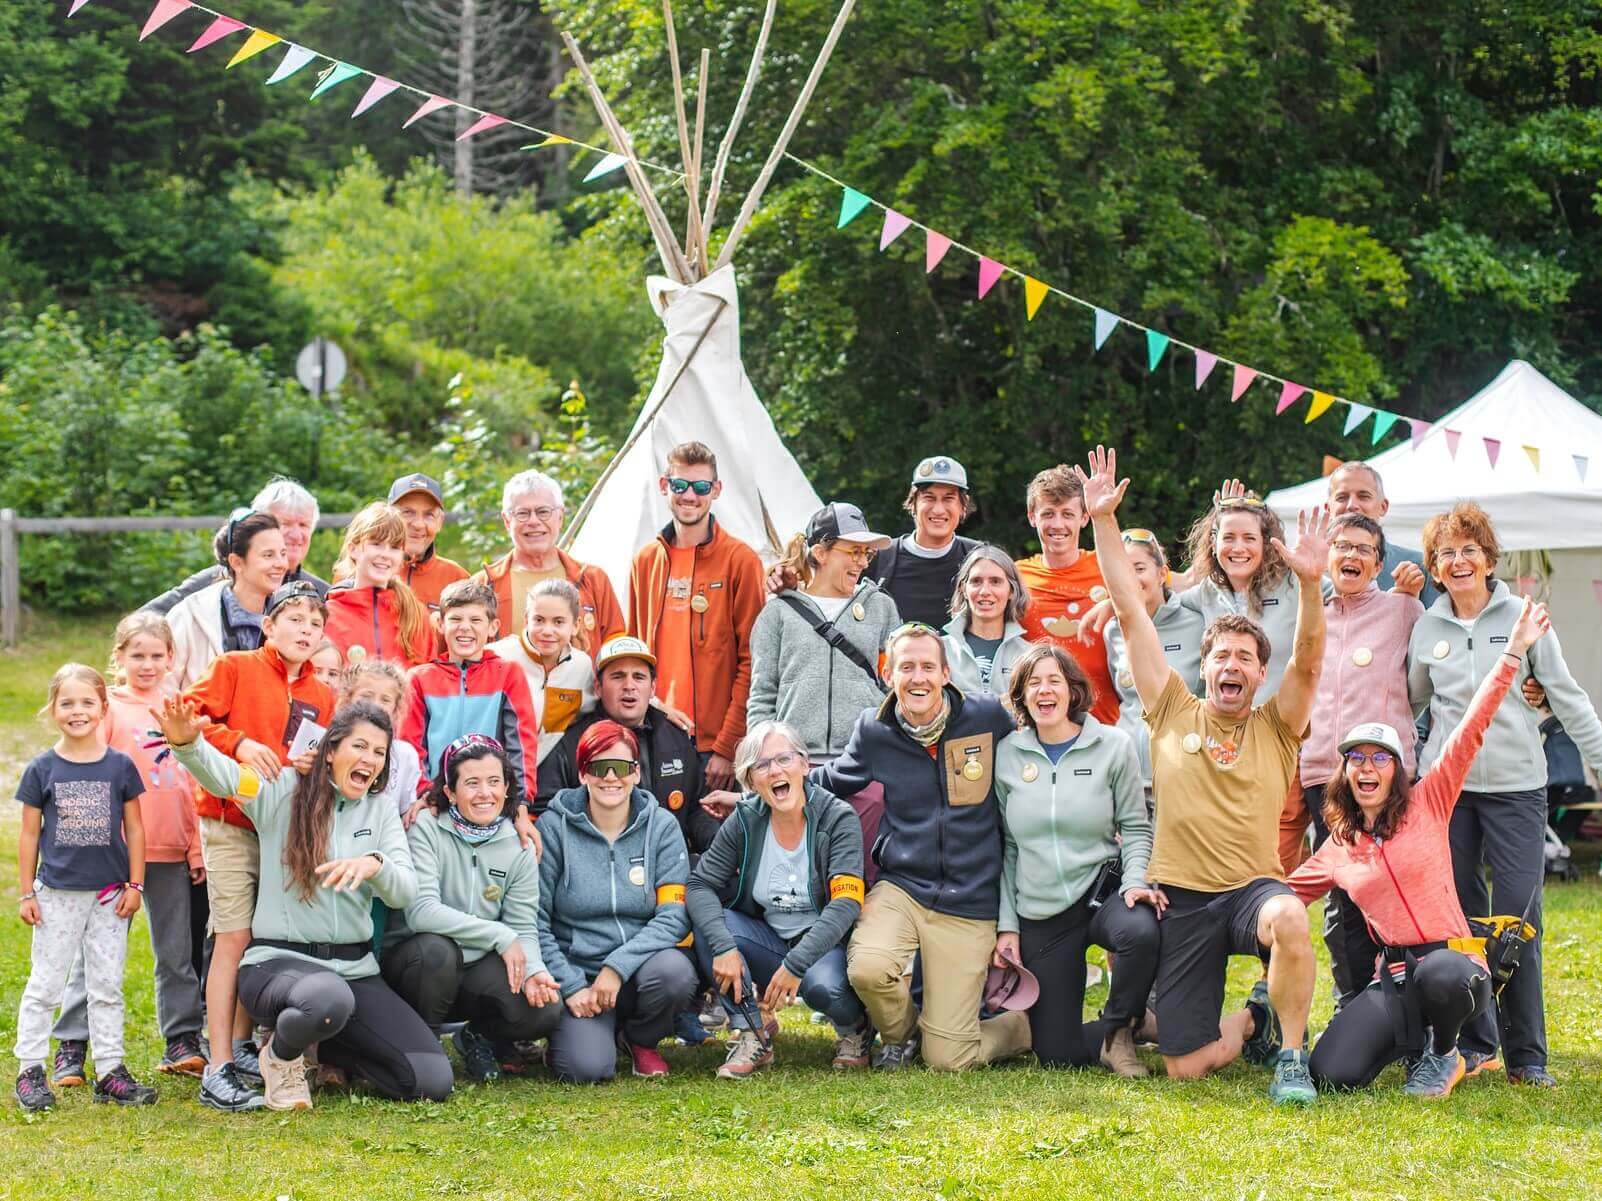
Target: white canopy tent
x=1551, y=515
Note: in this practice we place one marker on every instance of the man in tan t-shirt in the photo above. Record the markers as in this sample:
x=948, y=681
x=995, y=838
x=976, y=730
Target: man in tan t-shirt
x=1220, y=771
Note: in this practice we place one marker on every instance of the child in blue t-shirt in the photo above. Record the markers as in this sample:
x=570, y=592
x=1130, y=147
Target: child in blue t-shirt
x=82, y=860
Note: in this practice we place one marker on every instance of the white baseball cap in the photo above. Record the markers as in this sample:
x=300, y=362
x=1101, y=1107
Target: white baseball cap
x=1374, y=733
x=940, y=469
x=624, y=647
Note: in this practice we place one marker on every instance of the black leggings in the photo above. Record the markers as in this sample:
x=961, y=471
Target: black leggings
x=1361, y=1040
x=427, y=972
x=360, y=1026
x=1054, y=950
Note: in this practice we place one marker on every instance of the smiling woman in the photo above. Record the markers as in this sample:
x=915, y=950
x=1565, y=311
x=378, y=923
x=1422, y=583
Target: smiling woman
x=372, y=612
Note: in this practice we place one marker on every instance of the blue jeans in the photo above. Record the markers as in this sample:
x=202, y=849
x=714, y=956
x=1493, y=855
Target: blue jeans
x=824, y=987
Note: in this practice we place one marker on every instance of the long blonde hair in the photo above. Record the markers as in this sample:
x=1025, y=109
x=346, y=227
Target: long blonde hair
x=381, y=523
x=131, y=627
x=797, y=558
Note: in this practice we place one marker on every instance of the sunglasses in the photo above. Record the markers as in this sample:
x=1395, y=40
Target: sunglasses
x=1378, y=758
x=602, y=768
x=699, y=487
x=1242, y=502
x=234, y=518
x=907, y=628
x=1139, y=536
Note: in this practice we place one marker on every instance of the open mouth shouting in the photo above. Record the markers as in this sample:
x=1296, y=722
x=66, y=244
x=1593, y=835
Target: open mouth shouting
x=1231, y=688
x=1367, y=784
x=781, y=790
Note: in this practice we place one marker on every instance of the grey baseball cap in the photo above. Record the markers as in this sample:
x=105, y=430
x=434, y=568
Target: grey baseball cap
x=845, y=523
x=940, y=469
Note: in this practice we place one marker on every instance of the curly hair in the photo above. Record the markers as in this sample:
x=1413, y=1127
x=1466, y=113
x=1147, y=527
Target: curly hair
x=1464, y=520
x=1202, y=542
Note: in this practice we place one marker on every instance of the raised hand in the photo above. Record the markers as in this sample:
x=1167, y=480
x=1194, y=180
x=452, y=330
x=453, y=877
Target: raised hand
x=1311, y=555
x=1232, y=490
x=1103, y=491
x=1530, y=628
x=180, y=720
x=1409, y=578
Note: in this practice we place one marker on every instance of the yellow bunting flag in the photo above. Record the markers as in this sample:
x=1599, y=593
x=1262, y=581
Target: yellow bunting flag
x=1034, y=293
x=258, y=41
x=1535, y=456
x=1321, y=403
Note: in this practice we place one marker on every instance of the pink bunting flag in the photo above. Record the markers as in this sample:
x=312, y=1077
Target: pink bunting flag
x=164, y=11
x=1493, y=447
x=487, y=121
x=1420, y=428
x=935, y=247
x=989, y=272
x=1596, y=588
x=1243, y=380
x=1288, y=395
x=894, y=226
x=216, y=32
x=1206, y=360
x=376, y=91
x=1452, y=437
x=1526, y=585
x=432, y=105
x=76, y=5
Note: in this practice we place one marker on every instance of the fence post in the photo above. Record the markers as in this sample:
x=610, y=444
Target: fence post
x=10, y=578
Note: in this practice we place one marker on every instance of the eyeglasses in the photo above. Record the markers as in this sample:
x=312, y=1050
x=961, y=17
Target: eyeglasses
x=783, y=761
x=618, y=768
x=1378, y=758
x=1361, y=549
x=856, y=553
x=699, y=487
x=543, y=514
x=1468, y=554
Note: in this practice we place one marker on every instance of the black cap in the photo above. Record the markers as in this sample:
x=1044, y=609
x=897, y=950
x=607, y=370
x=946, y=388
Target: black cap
x=416, y=482
x=843, y=522
x=294, y=590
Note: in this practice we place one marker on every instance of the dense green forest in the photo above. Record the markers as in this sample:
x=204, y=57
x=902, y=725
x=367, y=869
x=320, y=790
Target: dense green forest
x=1385, y=201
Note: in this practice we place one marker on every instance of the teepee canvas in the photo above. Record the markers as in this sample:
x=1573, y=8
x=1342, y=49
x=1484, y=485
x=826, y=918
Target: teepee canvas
x=701, y=390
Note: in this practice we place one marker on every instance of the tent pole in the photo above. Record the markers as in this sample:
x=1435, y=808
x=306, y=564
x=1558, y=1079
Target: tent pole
x=692, y=185
x=726, y=147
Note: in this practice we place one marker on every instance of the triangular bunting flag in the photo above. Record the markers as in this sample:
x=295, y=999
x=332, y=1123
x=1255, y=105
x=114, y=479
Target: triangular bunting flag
x=989, y=272
x=852, y=202
x=1452, y=437
x=295, y=58
x=894, y=226
x=1034, y=294
x=606, y=166
x=1493, y=448
x=1320, y=406
x=552, y=139
x=258, y=41
x=76, y=5
x=216, y=32
x=487, y=121
x=434, y=103
x=377, y=90
x=1535, y=456
x=1105, y=324
x=1382, y=425
x=333, y=77
x=1581, y=462
x=1243, y=380
x=934, y=249
x=1355, y=416
x=1289, y=394
x=1206, y=360
x=1420, y=428
x=1596, y=588
x=1156, y=344
x=164, y=11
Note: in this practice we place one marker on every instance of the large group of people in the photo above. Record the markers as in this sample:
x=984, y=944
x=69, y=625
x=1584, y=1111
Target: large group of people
x=906, y=781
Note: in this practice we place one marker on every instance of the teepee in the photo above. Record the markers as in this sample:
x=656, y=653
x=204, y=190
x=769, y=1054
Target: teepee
x=701, y=390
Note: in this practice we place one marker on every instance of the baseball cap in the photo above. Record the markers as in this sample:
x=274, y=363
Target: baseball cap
x=1375, y=733
x=941, y=469
x=295, y=590
x=1013, y=988
x=845, y=523
x=416, y=482
x=624, y=647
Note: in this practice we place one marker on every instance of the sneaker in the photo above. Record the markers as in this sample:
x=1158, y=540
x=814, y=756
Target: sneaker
x=284, y=1081
x=1292, y=1083
x=1264, y=1046
x=70, y=1055
x=854, y=1050
x=183, y=1057
x=119, y=1087
x=1478, y=1062
x=710, y=1013
x=247, y=1062
x=1118, y=1055
x=33, y=1093
x=478, y=1055
x=689, y=1030
x=647, y=1061
x=222, y=1088
x=1434, y=1076
x=894, y=1056
x=1532, y=1074
x=746, y=1055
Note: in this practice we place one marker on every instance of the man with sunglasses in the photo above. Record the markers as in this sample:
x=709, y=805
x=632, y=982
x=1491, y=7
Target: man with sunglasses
x=694, y=594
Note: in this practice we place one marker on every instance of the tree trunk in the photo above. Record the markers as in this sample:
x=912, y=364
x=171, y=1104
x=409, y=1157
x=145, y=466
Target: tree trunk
x=466, y=60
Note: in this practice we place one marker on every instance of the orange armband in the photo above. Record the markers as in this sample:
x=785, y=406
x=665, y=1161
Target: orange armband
x=670, y=894
x=849, y=887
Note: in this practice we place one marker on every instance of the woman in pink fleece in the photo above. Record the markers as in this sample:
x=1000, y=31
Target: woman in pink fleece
x=1388, y=851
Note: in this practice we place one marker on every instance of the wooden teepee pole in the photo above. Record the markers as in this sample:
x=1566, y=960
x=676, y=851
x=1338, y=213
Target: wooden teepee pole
x=702, y=253
x=693, y=240
x=721, y=164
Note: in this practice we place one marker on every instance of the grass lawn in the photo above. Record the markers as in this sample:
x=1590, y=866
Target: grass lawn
x=799, y=1129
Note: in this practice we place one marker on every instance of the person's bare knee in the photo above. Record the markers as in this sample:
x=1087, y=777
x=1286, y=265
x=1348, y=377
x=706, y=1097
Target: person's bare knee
x=1282, y=923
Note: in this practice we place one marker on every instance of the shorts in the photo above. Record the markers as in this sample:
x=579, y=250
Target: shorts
x=232, y=856
x=1199, y=932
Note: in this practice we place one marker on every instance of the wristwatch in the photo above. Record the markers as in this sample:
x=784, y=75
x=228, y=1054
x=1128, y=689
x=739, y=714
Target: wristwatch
x=378, y=857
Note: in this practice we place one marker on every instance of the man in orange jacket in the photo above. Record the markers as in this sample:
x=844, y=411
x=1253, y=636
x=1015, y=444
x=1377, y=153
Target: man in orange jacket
x=421, y=504
x=694, y=594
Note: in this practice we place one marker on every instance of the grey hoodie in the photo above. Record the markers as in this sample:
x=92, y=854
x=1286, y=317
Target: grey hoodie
x=965, y=667
x=1180, y=629
x=1277, y=618
x=609, y=904
x=797, y=677
x=1447, y=659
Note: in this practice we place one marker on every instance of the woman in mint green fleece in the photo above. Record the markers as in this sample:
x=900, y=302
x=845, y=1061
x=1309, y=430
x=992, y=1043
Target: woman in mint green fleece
x=468, y=948
x=1072, y=803
x=330, y=843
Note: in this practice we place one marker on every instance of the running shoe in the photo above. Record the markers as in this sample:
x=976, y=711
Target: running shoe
x=710, y=1012
x=746, y=1054
x=1118, y=1055
x=284, y=1081
x=247, y=1062
x=1476, y=1063
x=1292, y=1083
x=1264, y=1046
x=70, y=1056
x=1434, y=1076
x=478, y=1055
x=647, y=1061
x=120, y=1088
x=854, y=1050
x=689, y=1030
x=892, y=1057
x=1532, y=1074
x=183, y=1057
x=221, y=1088
x=33, y=1093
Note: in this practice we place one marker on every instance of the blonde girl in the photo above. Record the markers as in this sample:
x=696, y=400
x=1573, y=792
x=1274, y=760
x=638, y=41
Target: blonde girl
x=372, y=614
x=328, y=665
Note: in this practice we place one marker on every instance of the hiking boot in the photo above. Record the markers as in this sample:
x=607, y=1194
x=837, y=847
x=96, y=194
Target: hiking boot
x=478, y=1055
x=710, y=1012
x=247, y=1062
x=1118, y=1055
x=1146, y=1032
x=284, y=1081
x=688, y=1030
x=120, y=1088
x=894, y=1056
x=1292, y=1083
x=1434, y=1076
x=222, y=1088
x=1532, y=1074
x=68, y=1068
x=1477, y=1063
x=746, y=1055
x=647, y=1061
x=183, y=1057
x=854, y=1050
x=1264, y=1046
x=33, y=1094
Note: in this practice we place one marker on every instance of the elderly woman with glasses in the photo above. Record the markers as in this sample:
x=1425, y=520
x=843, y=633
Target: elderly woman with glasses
x=1501, y=818
x=774, y=898
x=985, y=636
